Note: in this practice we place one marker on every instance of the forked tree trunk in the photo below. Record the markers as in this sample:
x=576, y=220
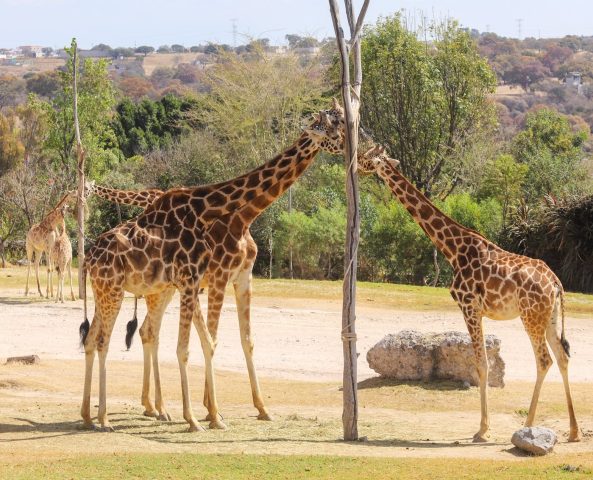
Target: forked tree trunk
x=80, y=168
x=351, y=101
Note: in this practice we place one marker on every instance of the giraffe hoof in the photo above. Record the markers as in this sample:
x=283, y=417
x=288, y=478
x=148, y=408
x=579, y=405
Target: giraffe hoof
x=107, y=429
x=480, y=437
x=576, y=437
x=88, y=426
x=265, y=416
x=164, y=417
x=217, y=425
x=151, y=413
x=196, y=428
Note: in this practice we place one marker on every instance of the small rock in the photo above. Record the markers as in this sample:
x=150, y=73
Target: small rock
x=466, y=385
x=27, y=360
x=536, y=440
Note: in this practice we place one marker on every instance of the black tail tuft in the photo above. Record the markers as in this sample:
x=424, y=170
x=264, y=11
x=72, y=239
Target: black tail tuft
x=84, y=331
x=131, y=330
x=565, y=344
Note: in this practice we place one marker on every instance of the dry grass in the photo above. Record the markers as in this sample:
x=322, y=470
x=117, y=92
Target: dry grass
x=380, y=295
x=40, y=413
x=29, y=65
x=168, y=60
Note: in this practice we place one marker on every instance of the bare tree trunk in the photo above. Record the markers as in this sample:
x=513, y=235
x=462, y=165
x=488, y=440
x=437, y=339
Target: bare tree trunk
x=80, y=158
x=437, y=267
x=351, y=100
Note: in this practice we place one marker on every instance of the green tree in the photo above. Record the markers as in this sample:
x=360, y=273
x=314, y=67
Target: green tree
x=145, y=49
x=553, y=152
x=425, y=100
x=503, y=180
x=96, y=98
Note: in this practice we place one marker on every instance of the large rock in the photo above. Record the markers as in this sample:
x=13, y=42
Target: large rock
x=411, y=355
x=536, y=440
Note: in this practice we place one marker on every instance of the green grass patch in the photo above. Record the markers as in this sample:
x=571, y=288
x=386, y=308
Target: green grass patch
x=238, y=467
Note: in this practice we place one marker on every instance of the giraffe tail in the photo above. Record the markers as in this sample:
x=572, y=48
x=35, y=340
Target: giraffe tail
x=563, y=341
x=85, y=326
x=132, y=325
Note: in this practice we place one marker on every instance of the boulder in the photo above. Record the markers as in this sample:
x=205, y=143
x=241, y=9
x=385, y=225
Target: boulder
x=536, y=440
x=411, y=355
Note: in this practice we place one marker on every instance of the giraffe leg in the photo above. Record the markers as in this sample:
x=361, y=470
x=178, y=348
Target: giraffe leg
x=242, y=286
x=49, y=288
x=188, y=302
x=543, y=362
x=70, y=277
x=474, y=325
x=216, y=290
x=562, y=359
x=37, y=260
x=108, y=317
x=208, y=350
x=90, y=346
x=30, y=254
x=149, y=332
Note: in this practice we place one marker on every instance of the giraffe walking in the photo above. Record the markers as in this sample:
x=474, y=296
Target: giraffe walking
x=489, y=282
x=170, y=247
x=61, y=258
x=41, y=238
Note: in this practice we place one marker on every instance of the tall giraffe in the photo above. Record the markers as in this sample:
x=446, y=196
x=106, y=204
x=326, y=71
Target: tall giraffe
x=169, y=247
x=40, y=239
x=61, y=258
x=245, y=249
x=489, y=282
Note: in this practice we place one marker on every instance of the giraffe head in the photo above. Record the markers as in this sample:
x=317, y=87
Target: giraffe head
x=373, y=158
x=89, y=188
x=327, y=130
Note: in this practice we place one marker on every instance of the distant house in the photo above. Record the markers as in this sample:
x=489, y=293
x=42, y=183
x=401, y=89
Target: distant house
x=31, y=51
x=575, y=80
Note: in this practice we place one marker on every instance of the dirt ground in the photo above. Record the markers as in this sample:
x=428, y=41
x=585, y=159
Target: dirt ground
x=298, y=355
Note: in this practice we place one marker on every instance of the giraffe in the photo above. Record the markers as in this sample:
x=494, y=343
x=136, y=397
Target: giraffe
x=61, y=258
x=489, y=282
x=40, y=239
x=169, y=247
x=245, y=249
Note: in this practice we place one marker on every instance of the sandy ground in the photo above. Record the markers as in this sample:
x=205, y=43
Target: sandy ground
x=294, y=339
x=298, y=355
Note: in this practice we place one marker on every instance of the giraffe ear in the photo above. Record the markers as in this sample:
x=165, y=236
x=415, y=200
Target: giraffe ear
x=336, y=105
x=393, y=162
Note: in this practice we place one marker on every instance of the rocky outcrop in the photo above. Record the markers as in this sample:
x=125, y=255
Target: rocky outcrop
x=536, y=440
x=411, y=355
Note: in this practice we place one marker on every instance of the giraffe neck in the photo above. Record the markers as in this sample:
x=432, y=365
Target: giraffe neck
x=53, y=218
x=249, y=194
x=293, y=163
x=140, y=198
x=442, y=230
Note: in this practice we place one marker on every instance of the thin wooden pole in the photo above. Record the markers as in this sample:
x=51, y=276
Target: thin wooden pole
x=351, y=101
x=80, y=161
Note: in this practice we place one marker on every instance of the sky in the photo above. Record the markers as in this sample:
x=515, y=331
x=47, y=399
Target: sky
x=190, y=22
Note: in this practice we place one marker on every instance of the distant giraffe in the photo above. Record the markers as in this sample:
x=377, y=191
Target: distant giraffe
x=489, y=282
x=61, y=257
x=170, y=247
x=40, y=239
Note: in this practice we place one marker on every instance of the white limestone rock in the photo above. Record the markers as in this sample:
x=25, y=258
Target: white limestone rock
x=411, y=355
x=536, y=440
